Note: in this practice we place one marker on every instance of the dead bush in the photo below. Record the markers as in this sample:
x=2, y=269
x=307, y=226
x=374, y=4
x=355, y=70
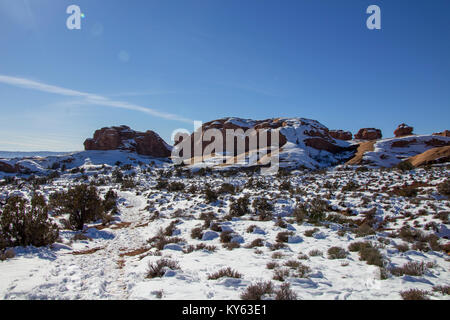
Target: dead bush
x=336, y=253
x=414, y=294
x=226, y=272
x=411, y=268
x=285, y=293
x=257, y=291
x=159, y=268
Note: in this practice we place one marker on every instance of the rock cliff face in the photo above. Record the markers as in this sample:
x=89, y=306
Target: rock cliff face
x=368, y=134
x=146, y=143
x=403, y=130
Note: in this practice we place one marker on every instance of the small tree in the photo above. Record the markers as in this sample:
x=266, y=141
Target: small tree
x=240, y=206
x=82, y=203
x=23, y=224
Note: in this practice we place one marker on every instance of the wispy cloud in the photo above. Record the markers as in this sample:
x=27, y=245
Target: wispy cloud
x=88, y=98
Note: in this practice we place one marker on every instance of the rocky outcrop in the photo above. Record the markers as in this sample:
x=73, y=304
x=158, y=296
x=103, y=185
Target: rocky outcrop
x=301, y=140
x=146, y=143
x=368, y=134
x=341, y=135
x=403, y=130
x=445, y=133
x=432, y=156
x=6, y=167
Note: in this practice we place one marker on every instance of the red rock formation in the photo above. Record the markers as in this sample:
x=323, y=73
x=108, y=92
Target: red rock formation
x=368, y=134
x=445, y=133
x=403, y=130
x=5, y=167
x=320, y=137
x=341, y=134
x=146, y=143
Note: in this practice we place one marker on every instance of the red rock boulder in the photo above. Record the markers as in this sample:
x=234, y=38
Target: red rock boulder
x=403, y=130
x=368, y=134
x=146, y=143
x=445, y=133
x=341, y=134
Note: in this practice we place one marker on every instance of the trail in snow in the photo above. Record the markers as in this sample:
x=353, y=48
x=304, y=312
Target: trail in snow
x=86, y=276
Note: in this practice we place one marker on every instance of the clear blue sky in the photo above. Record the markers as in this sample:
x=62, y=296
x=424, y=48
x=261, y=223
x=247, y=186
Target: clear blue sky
x=156, y=64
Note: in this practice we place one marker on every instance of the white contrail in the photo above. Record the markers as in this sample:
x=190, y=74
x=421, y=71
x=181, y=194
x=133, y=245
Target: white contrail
x=89, y=98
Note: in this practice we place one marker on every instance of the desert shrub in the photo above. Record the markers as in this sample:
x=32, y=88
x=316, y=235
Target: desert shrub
x=285, y=185
x=442, y=289
x=271, y=265
x=277, y=246
x=404, y=166
x=292, y=264
x=364, y=230
x=283, y=236
x=444, y=187
x=210, y=195
x=314, y=211
x=310, y=232
x=160, y=240
x=159, y=268
x=357, y=246
x=110, y=202
x=226, y=272
x=281, y=223
x=24, y=224
x=161, y=184
x=409, y=234
x=202, y=246
x=175, y=186
x=257, y=291
x=128, y=183
x=216, y=227
x=302, y=271
x=315, y=253
x=285, y=293
x=231, y=245
x=117, y=176
x=226, y=236
x=410, y=269
x=402, y=247
x=405, y=191
x=279, y=274
x=6, y=254
x=336, y=253
x=83, y=204
x=262, y=206
x=196, y=233
x=227, y=188
x=371, y=255
x=414, y=294
x=256, y=243
x=168, y=231
x=350, y=186
x=240, y=206
x=300, y=212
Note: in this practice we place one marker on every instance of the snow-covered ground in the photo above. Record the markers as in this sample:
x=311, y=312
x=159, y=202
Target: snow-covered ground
x=113, y=261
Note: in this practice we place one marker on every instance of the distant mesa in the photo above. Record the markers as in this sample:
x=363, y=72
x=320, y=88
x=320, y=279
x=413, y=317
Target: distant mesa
x=146, y=143
x=445, y=133
x=368, y=134
x=403, y=130
x=341, y=135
